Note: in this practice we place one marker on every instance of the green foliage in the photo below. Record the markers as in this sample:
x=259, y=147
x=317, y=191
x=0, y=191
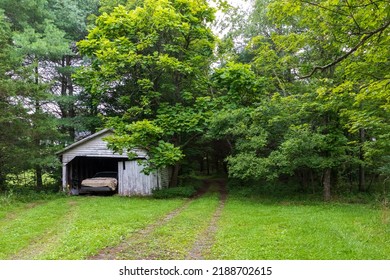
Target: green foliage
x=51, y=44
x=72, y=16
x=385, y=168
x=315, y=75
x=161, y=41
x=280, y=136
x=13, y=114
x=25, y=182
x=147, y=136
x=149, y=65
x=299, y=88
x=238, y=84
x=353, y=48
x=25, y=13
x=36, y=66
x=185, y=120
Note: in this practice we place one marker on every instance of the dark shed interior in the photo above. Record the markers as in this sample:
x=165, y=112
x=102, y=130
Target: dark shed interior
x=86, y=167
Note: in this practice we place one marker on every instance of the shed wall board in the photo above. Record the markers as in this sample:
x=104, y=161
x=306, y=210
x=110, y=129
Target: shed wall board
x=92, y=147
x=95, y=147
x=133, y=182
x=64, y=177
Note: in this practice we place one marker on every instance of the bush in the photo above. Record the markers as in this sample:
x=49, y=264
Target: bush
x=27, y=180
x=179, y=192
x=250, y=188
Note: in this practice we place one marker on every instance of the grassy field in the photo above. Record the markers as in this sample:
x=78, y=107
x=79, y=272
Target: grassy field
x=62, y=227
x=174, y=239
x=280, y=231
x=74, y=227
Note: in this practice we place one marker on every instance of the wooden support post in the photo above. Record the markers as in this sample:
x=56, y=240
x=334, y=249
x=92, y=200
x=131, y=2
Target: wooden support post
x=64, y=177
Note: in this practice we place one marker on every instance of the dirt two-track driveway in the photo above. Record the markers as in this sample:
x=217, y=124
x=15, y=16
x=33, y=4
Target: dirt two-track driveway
x=138, y=245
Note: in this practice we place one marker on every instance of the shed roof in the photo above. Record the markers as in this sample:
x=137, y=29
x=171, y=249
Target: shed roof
x=94, y=146
x=84, y=140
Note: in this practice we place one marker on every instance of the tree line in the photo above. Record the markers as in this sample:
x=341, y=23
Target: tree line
x=291, y=90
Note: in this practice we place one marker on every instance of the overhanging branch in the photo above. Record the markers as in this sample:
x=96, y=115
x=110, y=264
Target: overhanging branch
x=364, y=38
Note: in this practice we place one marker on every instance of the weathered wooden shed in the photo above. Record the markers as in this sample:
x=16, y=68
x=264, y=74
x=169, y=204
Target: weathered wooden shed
x=90, y=155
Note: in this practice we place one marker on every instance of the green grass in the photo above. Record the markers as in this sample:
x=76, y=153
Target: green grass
x=181, y=233
x=175, y=239
x=26, y=224
x=251, y=229
x=75, y=227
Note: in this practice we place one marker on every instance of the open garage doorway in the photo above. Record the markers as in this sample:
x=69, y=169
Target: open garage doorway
x=81, y=168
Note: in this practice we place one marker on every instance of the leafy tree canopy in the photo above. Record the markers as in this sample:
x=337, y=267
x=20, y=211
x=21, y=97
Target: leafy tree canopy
x=150, y=66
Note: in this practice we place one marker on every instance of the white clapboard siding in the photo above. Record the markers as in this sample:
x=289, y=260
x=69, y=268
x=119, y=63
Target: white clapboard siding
x=132, y=182
x=93, y=146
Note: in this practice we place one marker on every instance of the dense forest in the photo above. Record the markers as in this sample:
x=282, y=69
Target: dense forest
x=277, y=90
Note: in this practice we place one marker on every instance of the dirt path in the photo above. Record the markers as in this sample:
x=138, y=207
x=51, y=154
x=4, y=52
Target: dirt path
x=205, y=240
x=138, y=242
x=133, y=244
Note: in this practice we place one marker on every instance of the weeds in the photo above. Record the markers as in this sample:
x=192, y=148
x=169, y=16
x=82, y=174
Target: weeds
x=6, y=198
x=179, y=192
x=11, y=196
x=385, y=211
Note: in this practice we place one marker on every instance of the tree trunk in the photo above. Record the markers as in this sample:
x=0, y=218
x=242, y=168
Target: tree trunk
x=362, y=179
x=201, y=164
x=67, y=89
x=37, y=141
x=38, y=174
x=327, y=183
x=2, y=182
x=208, y=164
x=312, y=181
x=303, y=179
x=175, y=176
x=72, y=113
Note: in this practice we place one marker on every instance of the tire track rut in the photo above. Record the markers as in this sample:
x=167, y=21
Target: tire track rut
x=137, y=243
x=205, y=241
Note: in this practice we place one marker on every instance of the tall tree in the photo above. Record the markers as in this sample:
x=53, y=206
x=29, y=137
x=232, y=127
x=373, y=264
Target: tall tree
x=150, y=67
x=352, y=56
x=13, y=116
x=321, y=67
x=72, y=17
x=36, y=48
x=43, y=34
